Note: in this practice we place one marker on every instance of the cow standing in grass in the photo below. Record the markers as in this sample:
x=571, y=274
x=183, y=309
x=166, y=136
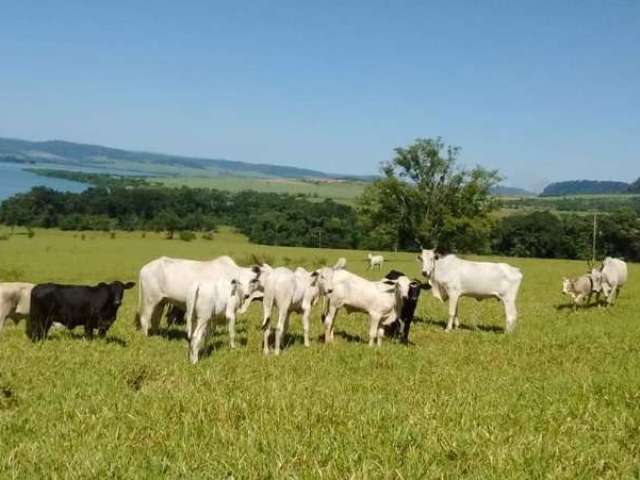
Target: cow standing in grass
x=209, y=301
x=609, y=278
x=15, y=298
x=579, y=289
x=94, y=307
x=381, y=300
x=289, y=292
x=400, y=328
x=167, y=280
x=375, y=261
x=452, y=278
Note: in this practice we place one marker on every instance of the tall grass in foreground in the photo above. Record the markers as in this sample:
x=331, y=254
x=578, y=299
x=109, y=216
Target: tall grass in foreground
x=558, y=399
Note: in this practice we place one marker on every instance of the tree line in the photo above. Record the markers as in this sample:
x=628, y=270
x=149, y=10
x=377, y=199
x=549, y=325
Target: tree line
x=423, y=198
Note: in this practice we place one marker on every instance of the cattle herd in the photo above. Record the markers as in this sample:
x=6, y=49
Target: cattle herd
x=202, y=292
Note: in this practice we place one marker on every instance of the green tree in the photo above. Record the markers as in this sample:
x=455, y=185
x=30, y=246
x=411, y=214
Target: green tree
x=425, y=198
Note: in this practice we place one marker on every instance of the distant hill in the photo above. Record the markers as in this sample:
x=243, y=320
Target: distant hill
x=504, y=191
x=584, y=187
x=69, y=154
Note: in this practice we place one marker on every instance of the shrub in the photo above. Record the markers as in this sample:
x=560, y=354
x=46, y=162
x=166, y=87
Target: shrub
x=30, y=233
x=186, y=235
x=207, y=236
x=112, y=235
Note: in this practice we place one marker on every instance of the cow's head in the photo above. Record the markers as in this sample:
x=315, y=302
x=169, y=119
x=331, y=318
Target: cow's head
x=427, y=259
x=401, y=281
x=567, y=286
x=115, y=296
x=596, y=279
x=323, y=277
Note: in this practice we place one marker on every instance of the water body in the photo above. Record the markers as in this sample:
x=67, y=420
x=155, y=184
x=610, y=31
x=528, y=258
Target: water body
x=13, y=179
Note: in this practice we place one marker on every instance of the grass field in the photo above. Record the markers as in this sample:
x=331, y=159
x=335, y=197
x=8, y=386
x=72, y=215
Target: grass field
x=342, y=191
x=560, y=398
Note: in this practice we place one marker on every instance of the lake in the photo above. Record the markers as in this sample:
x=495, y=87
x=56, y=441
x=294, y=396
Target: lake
x=13, y=179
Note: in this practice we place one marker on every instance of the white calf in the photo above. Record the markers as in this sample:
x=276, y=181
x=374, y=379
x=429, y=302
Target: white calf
x=208, y=301
x=15, y=299
x=289, y=292
x=380, y=299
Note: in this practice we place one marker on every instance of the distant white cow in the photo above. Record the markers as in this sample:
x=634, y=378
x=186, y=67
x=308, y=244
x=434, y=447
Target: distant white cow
x=579, y=289
x=609, y=278
x=167, y=280
x=381, y=300
x=452, y=277
x=375, y=261
x=211, y=301
x=289, y=292
x=15, y=299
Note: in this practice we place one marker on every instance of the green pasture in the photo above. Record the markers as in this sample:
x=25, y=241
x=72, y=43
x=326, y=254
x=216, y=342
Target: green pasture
x=560, y=398
x=340, y=191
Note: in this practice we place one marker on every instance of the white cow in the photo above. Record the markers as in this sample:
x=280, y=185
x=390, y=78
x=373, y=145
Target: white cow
x=15, y=298
x=375, y=261
x=379, y=299
x=609, y=278
x=452, y=277
x=211, y=301
x=289, y=292
x=167, y=280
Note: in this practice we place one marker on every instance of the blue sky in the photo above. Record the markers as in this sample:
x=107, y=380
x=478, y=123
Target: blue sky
x=541, y=90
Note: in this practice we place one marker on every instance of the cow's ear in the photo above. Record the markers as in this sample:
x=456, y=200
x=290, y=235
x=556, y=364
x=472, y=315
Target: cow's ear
x=102, y=284
x=129, y=285
x=235, y=282
x=389, y=282
x=314, y=273
x=256, y=269
x=419, y=258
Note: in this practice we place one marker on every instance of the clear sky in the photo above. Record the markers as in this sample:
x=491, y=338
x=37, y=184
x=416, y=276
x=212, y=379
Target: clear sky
x=541, y=90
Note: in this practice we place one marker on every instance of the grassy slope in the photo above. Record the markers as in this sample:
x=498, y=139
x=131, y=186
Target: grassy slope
x=560, y=398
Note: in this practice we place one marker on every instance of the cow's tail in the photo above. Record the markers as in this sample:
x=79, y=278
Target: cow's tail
x=192, y=300
x=136, y=320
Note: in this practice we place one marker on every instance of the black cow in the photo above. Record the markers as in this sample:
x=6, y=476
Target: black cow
x=400, y=328
x=74, y=305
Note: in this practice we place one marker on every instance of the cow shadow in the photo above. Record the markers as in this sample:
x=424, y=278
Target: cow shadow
x=172, y=334
x=81, y=336
x=569, y=306
x=474, y=327
x=348, y=336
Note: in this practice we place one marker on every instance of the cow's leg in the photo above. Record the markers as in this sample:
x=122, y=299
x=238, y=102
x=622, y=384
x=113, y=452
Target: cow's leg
x=150, y=314
x=328, y=323
x=454, y=299
x=283, y=317
x=197, y=339
x=267, y=309
x=511, y=314
x=5, y=310
x=232, y=330
x=611, y=297
x=374, y=327
x=305, y=324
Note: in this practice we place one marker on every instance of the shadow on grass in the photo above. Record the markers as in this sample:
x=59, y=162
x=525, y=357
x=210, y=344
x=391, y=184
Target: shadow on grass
x=570, y=306
x=483, y=328
x=81, y=336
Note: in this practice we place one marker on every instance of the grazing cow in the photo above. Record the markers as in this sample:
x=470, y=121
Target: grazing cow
x=609, y=278
x=451, y=278
x=343, y=289
x=167, y=280
x=375, y=261
x=14, y=301
x=289, y=292
x=211, y=300
x=579, y=289
x=400, y=328
x=74, y=305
